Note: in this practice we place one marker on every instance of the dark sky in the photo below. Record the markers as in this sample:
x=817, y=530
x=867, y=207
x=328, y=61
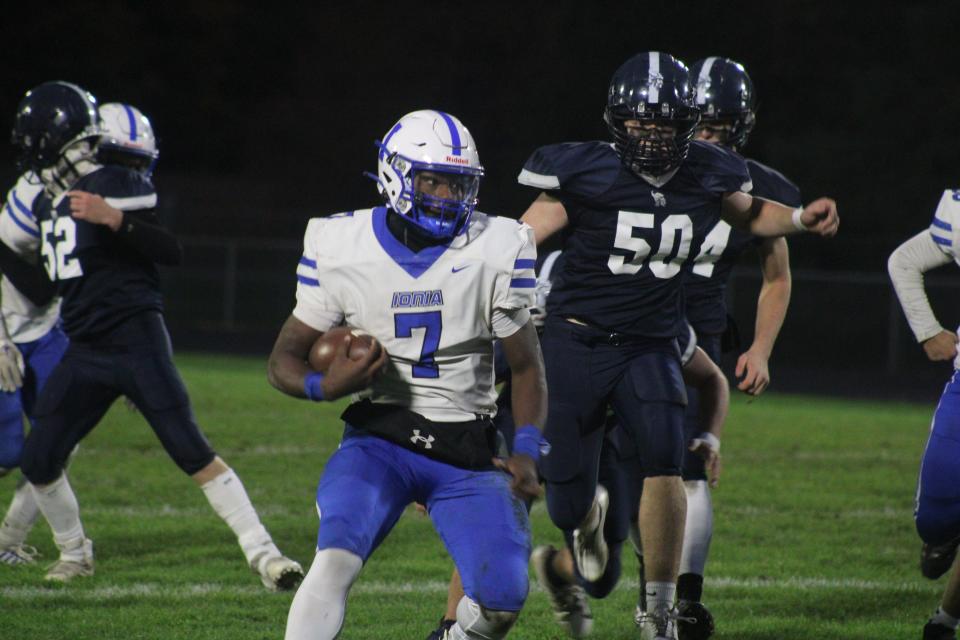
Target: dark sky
x=267, y=115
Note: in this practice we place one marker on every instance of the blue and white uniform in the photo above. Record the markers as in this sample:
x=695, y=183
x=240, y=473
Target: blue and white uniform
x=34, y=330
x=437, y=313
x=938, y=491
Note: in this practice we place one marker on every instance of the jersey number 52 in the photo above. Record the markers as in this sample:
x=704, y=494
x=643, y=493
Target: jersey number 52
x=58, y=241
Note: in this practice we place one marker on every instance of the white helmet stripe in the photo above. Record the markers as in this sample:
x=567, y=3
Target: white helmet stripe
x=653, y=88
x=454, y=134
x=704, y=76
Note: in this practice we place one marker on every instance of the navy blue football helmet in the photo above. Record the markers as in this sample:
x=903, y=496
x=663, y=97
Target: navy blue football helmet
x=49, y=119
x=653, y=89
x=726, y=99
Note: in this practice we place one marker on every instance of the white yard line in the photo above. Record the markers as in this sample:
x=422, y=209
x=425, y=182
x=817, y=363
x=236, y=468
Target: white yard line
x=374, y=587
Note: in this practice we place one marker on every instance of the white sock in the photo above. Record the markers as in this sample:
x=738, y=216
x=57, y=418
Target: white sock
x=229, y=499
x=319, y=606
x=21, y=516
x=476, y=623
x=59, y=506
x=944, y=618
x=699, y=527
x=660, y=595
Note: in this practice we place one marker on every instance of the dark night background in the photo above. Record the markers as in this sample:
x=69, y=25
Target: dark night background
x=266, y=115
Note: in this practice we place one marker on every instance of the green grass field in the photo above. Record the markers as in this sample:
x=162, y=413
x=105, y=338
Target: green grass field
x=813, y=531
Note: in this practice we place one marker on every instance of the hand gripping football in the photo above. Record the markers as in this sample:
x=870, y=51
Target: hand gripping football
x=325, y=348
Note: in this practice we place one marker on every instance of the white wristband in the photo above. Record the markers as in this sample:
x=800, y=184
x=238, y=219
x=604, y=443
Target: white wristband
x=797, y=222
x=711, y=440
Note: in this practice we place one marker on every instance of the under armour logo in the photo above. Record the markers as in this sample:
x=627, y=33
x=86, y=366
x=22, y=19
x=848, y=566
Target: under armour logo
x=426, y=440
x=659, y=199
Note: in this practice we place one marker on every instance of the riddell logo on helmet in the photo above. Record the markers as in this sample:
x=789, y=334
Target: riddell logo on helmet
x=456, y=160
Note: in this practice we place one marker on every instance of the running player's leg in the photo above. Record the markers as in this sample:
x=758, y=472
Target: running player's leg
x=364, y=489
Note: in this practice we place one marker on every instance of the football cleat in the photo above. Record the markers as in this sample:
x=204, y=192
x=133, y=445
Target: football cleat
x=936, y=560
x=442, y=632
x=18, y=554
x=66, y=569
x=569, y=601
x=279, y=573
x=934, y=631
x=694, y=621
x=589, y=548
x=660, y=624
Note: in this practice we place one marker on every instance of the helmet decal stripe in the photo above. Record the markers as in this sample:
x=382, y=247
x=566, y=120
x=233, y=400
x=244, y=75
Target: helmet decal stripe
x=133, y=122
x=653, y=88
x=454, y=134
x=704, y=77
x=386, y=140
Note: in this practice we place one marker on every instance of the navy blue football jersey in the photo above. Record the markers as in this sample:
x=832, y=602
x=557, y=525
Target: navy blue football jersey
x=705, y=279
x=102, y=280
x=627, y=241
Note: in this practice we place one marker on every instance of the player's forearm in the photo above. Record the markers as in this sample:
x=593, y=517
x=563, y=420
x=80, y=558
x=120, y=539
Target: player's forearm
x=771, y=219
x=286, y=373
x=529, y=399
x=30, y=280
x=712, y=388
x=150, y=239
x=906, y=267
x=772, y=307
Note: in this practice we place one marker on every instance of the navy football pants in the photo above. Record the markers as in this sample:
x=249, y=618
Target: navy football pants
x=135, y=360
x=644, y=385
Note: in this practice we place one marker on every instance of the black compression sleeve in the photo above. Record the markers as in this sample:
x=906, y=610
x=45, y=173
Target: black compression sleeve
x=30, y=280
x=142, y=230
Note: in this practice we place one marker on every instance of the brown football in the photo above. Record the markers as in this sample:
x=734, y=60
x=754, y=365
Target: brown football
x=322, y=352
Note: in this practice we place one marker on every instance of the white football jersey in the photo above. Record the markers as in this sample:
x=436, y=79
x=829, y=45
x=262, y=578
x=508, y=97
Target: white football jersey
x=433, y=311
x=945, y=228
x=25, y=321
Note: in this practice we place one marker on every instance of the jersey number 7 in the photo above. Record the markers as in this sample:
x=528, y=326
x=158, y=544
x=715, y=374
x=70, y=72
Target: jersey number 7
x=432, y=324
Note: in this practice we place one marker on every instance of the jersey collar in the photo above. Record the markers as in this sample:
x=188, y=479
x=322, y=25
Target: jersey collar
x=414, y=263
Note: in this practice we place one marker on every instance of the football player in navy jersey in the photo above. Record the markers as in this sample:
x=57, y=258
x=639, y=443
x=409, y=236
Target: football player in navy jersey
x=726, y=100
x=632, y=214
x=100, y=243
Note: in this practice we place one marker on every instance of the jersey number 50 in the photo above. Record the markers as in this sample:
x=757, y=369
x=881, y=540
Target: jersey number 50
x=676, y=233
x=58, y=241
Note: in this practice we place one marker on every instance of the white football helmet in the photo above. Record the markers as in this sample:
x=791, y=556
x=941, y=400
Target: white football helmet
x=127, y=139
x=436, y=142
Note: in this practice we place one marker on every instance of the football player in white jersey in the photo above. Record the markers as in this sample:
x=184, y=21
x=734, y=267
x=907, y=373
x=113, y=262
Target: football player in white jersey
x=31, y=344
x=937, y=511
x=435, y=282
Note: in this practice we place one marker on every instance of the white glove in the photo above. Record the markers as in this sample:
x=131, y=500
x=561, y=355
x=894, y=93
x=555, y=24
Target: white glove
x=11, y=367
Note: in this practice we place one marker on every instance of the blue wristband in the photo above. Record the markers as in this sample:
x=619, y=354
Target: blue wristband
x=529, y=441
x=311, y=386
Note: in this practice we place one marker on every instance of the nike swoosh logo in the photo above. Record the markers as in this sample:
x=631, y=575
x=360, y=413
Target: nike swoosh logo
x=456, y=269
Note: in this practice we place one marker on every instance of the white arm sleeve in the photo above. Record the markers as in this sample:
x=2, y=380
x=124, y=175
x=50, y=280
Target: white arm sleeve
x=507, y=322
x=906, y=266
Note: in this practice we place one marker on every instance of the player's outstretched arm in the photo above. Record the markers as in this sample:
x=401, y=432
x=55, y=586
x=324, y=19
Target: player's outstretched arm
x=701, y=373
x=752, y=365
x=770, y=219
x=906, y=267
x=546, y=215
x=529, y=389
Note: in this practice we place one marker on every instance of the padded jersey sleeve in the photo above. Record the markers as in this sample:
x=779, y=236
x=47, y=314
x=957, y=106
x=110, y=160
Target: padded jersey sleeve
x=578, y=169
x=770, y=184
x=316, y=306
x=516, y=282
x=945, y=227
x=719, y=169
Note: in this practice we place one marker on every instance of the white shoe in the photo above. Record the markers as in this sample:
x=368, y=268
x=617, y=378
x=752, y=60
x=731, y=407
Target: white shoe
x=279, y=573
x=66, y=569
x=17, y=554
x=660, y=624
x=569, y=601
x=589, y=548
